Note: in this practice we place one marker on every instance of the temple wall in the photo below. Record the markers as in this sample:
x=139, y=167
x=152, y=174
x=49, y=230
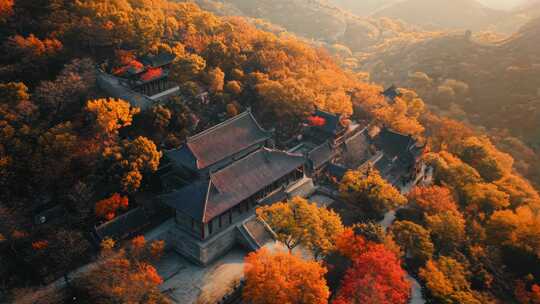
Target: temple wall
x=202, y=252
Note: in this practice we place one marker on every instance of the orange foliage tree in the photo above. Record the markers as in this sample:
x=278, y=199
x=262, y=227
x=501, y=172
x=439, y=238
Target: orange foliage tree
x=276, y=278
x=108, y=207
x=351, y=245
x=482, y=155
x=6, y=9
x=432, y=200
x=121, y=276
x=32, y=47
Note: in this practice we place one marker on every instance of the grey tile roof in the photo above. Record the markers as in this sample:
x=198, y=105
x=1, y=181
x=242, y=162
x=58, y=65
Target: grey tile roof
x=393, y=143
x=321, y=154
x=228, y=187
x=124, y=224
x=220, y=142
x=391, y=93
x=358, y=149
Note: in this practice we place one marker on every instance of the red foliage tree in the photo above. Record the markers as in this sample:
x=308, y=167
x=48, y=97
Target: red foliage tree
x=40, y=245
x=351, y=245
x=375, y=277
x=136, y=65
x=151, y=74
x=316, y=121
x=525, y=296
x=108, y=207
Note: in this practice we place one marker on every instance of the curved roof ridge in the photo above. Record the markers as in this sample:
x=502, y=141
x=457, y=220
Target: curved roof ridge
x=388, y=129
x=224, y=123
x=282, y=152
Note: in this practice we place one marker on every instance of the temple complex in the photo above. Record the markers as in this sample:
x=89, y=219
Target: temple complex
x=220, y=176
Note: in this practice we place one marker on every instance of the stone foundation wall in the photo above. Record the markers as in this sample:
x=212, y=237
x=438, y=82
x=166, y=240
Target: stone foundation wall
x=203, y=252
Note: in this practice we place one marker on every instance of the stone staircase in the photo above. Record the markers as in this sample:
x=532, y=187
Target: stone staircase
x=253, y=233
x=303, y=188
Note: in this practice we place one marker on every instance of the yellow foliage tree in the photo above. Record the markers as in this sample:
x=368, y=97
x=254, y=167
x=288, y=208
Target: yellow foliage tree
x=485, y=198
x=187, y=68
x=447, y=281
x=110, y=114
x=369, y=191
x=480, y=153
x=414, y=240
x=126, y=163
x=447, y=229
x=234, y=87
x=298, y=222
x=518, y=229
x=452, y=171
x=216, y=80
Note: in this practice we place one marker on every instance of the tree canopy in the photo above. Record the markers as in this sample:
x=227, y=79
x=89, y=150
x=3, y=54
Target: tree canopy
x=281, y=277
x=299, y=222
x=369, y=191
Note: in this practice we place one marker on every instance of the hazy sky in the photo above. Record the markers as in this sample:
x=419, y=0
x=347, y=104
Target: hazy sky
x=502, y=4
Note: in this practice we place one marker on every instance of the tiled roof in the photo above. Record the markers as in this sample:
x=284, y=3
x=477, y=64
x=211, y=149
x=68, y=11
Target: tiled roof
x=357, y=148
x=332, y=122
x=393, y=143
x=228, y=187
x=321, y=154
x=220, y=142
x=124, y=224
x=337, y=171
x=385, y=164
x=391, y=93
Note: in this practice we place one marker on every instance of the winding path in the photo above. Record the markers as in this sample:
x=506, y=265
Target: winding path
x=416, y=289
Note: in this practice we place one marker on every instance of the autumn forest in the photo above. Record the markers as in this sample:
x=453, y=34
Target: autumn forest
x=452, y=218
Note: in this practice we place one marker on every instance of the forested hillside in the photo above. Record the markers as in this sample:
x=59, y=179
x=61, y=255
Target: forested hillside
x=473, y=237
x=362, y=8
x=454, y=14
x=491, y=85
x=346, y=35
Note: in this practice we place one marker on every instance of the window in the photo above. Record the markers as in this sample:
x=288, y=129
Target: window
x=210, y=226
